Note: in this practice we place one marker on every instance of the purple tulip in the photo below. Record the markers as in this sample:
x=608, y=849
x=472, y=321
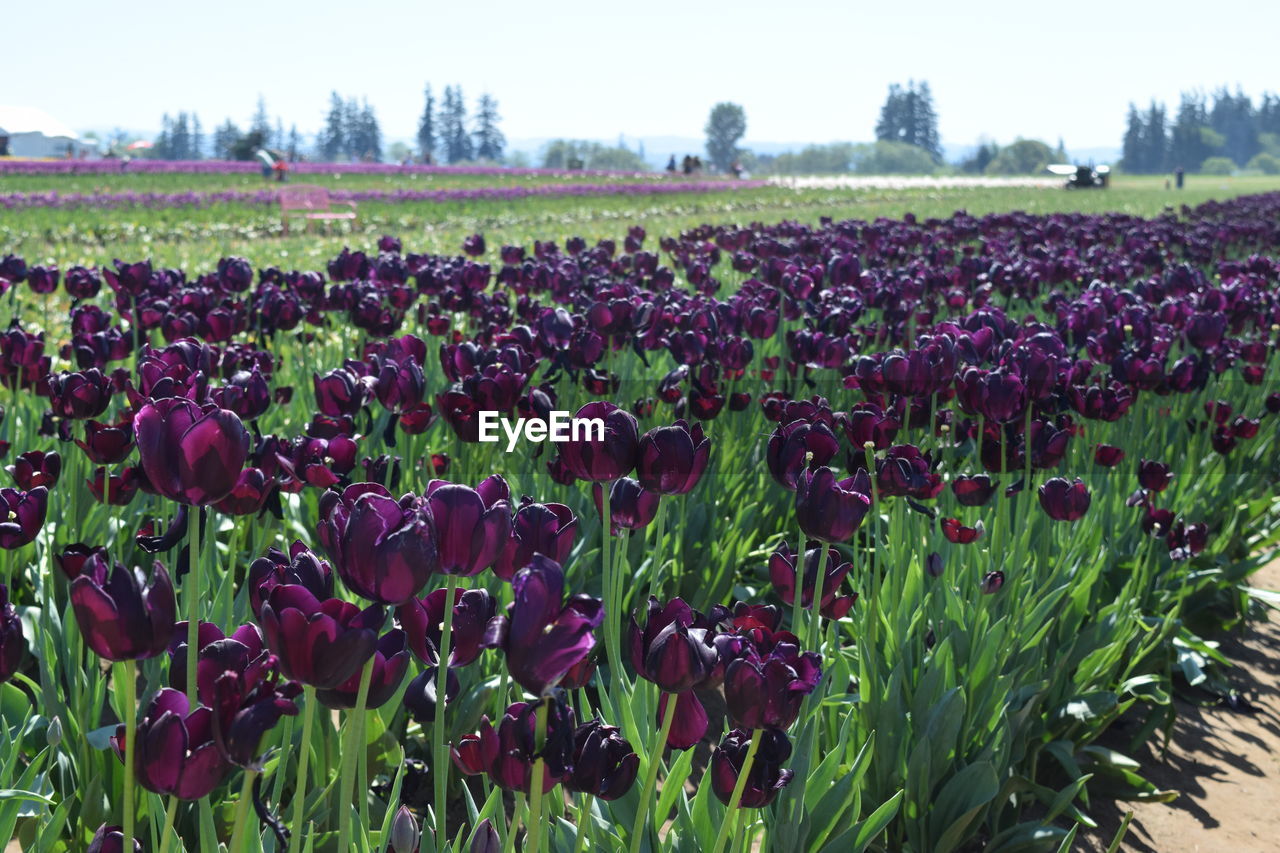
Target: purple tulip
x=766, y=691
x=829, y=509
x=120, y=615
x=782, y=573
x=613, y=457
x=321, y=643
x=973, y=491
x=537, y=529
x=542, y=636
x=991, y=583
x=340, y=392
x=300, y=566
x=191, y=454
x=23, y=514
x=107, y=444
x=35, y=469
x=604, y=764
x=1107, y=456
x=405, y=834
x=384, y=550
x=12, y=644
x=473, y=526
x=422, y=620
x=82, y=283
x=1063, y=500
x=110, y=839
x=1155, y=476
x=390, y=661
x=78, y=396
x=508, y=753
x=672, y=458
x=766, y=776
x=790, y=448
x=175, y=751
x=631, y=507
x=674, y=650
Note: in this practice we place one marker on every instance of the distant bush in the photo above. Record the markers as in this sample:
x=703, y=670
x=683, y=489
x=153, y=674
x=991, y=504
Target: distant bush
x=1217, y=166
x=578, y=154
x=892, y=158
x=1024, y=157
x=1267, y=164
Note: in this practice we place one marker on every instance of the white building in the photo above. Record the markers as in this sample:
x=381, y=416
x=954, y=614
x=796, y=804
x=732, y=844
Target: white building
x=28, y=132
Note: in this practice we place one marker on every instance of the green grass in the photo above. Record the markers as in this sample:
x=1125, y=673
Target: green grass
x=196, y=237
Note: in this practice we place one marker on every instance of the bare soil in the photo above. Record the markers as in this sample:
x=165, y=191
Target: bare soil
x=1224, y=762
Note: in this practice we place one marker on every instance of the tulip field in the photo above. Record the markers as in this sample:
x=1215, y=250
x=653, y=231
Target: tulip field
x=890, y=520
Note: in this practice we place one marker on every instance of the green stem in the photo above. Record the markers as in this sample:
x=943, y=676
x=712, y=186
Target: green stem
x=607, y=581
x=510, y=845
x=736, y=797
x=440, y=771
x=300, y=788
x=797, y=602
x=170, y=814
x=350, y=749
x=815, y=618
x=533, y=826
x=242, y=812
x=584, y=815
x=191, y=592
x=651, y=773
x=127, y=672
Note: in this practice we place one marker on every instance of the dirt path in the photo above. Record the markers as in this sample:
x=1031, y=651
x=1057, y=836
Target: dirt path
x=1225, y=763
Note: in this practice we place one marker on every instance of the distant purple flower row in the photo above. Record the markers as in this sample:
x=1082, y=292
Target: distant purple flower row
x=237, y=167
x=20, y=200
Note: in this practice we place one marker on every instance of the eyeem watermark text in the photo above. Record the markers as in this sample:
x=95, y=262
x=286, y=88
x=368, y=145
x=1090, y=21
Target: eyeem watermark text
x=559, y=427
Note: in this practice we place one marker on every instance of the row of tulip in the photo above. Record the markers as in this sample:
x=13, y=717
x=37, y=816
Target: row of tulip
x=198, y=198
x=241, y=167
x=859, y=562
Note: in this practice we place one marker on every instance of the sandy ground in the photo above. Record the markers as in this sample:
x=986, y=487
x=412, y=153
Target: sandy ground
x=1225, y=763
x=907, y=182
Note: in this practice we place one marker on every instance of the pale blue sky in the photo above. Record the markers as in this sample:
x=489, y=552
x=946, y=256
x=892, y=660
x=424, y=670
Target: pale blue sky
x=803, y=69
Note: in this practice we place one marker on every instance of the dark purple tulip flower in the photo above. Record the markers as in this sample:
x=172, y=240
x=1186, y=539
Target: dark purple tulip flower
x=107, y=444
x=631, y=507
x=601, y=461
x=390, y=661
x=973, y=491
x=537, y=529
x=405, y=834
x=340, y=392
x=790, y=447
x=120, y=616
x=75, y=559
x=77, y=396
x=36, y=468
x=250, y=494
x=42, y=279
x=82, y=283
x=766, y=691
x=690, y=724
x=22, y=515
x=829, y=509
x=423, y=624
x=604, y=764
x=674, y=650
x=1063, y=500
x=991, y=583
x=473, y=526
x=190, y=454
x=321, y=643
x=384, y=550
x=508, y=753
x=420, y=698
x=542, y=636
x=1155, y=476
x=110, y=839
x=300, y=566
x=782, y=573
x=175, y=752
x=1107, y=455
x=12, y=644
x=766, y=777
x=672, y=458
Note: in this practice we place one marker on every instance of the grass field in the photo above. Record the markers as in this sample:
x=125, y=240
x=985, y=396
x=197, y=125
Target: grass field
x=198, y=236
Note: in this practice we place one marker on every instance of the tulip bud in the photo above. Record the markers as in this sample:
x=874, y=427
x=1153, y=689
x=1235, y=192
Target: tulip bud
x=53, y=734
x=485, y=839
x=992, y=582
x=404, y=832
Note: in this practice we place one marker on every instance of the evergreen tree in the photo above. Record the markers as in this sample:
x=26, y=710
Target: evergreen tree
x=197, y=138
x=294, y=146
x=453, y=126
x=333, y=139
x=1191, y=139
x=180, y=138
x=161, y=148
x=908, y=116
x=427, y=127
x=1155, y=141
x=225, y=139
x=1234, y=118
x=489, y=141
x=1132, y=154
x=261, y=123
x=370, y=134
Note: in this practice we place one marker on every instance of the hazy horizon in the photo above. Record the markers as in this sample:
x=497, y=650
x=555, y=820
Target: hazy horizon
x=818, y=74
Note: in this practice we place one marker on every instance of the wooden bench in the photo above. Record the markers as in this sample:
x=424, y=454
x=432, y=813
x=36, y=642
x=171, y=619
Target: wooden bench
x=312, y=203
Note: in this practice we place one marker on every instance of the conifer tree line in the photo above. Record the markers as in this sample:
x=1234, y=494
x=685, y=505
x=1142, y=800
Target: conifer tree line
x=1204, y=128
x=446, y=133
x=908, y=116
